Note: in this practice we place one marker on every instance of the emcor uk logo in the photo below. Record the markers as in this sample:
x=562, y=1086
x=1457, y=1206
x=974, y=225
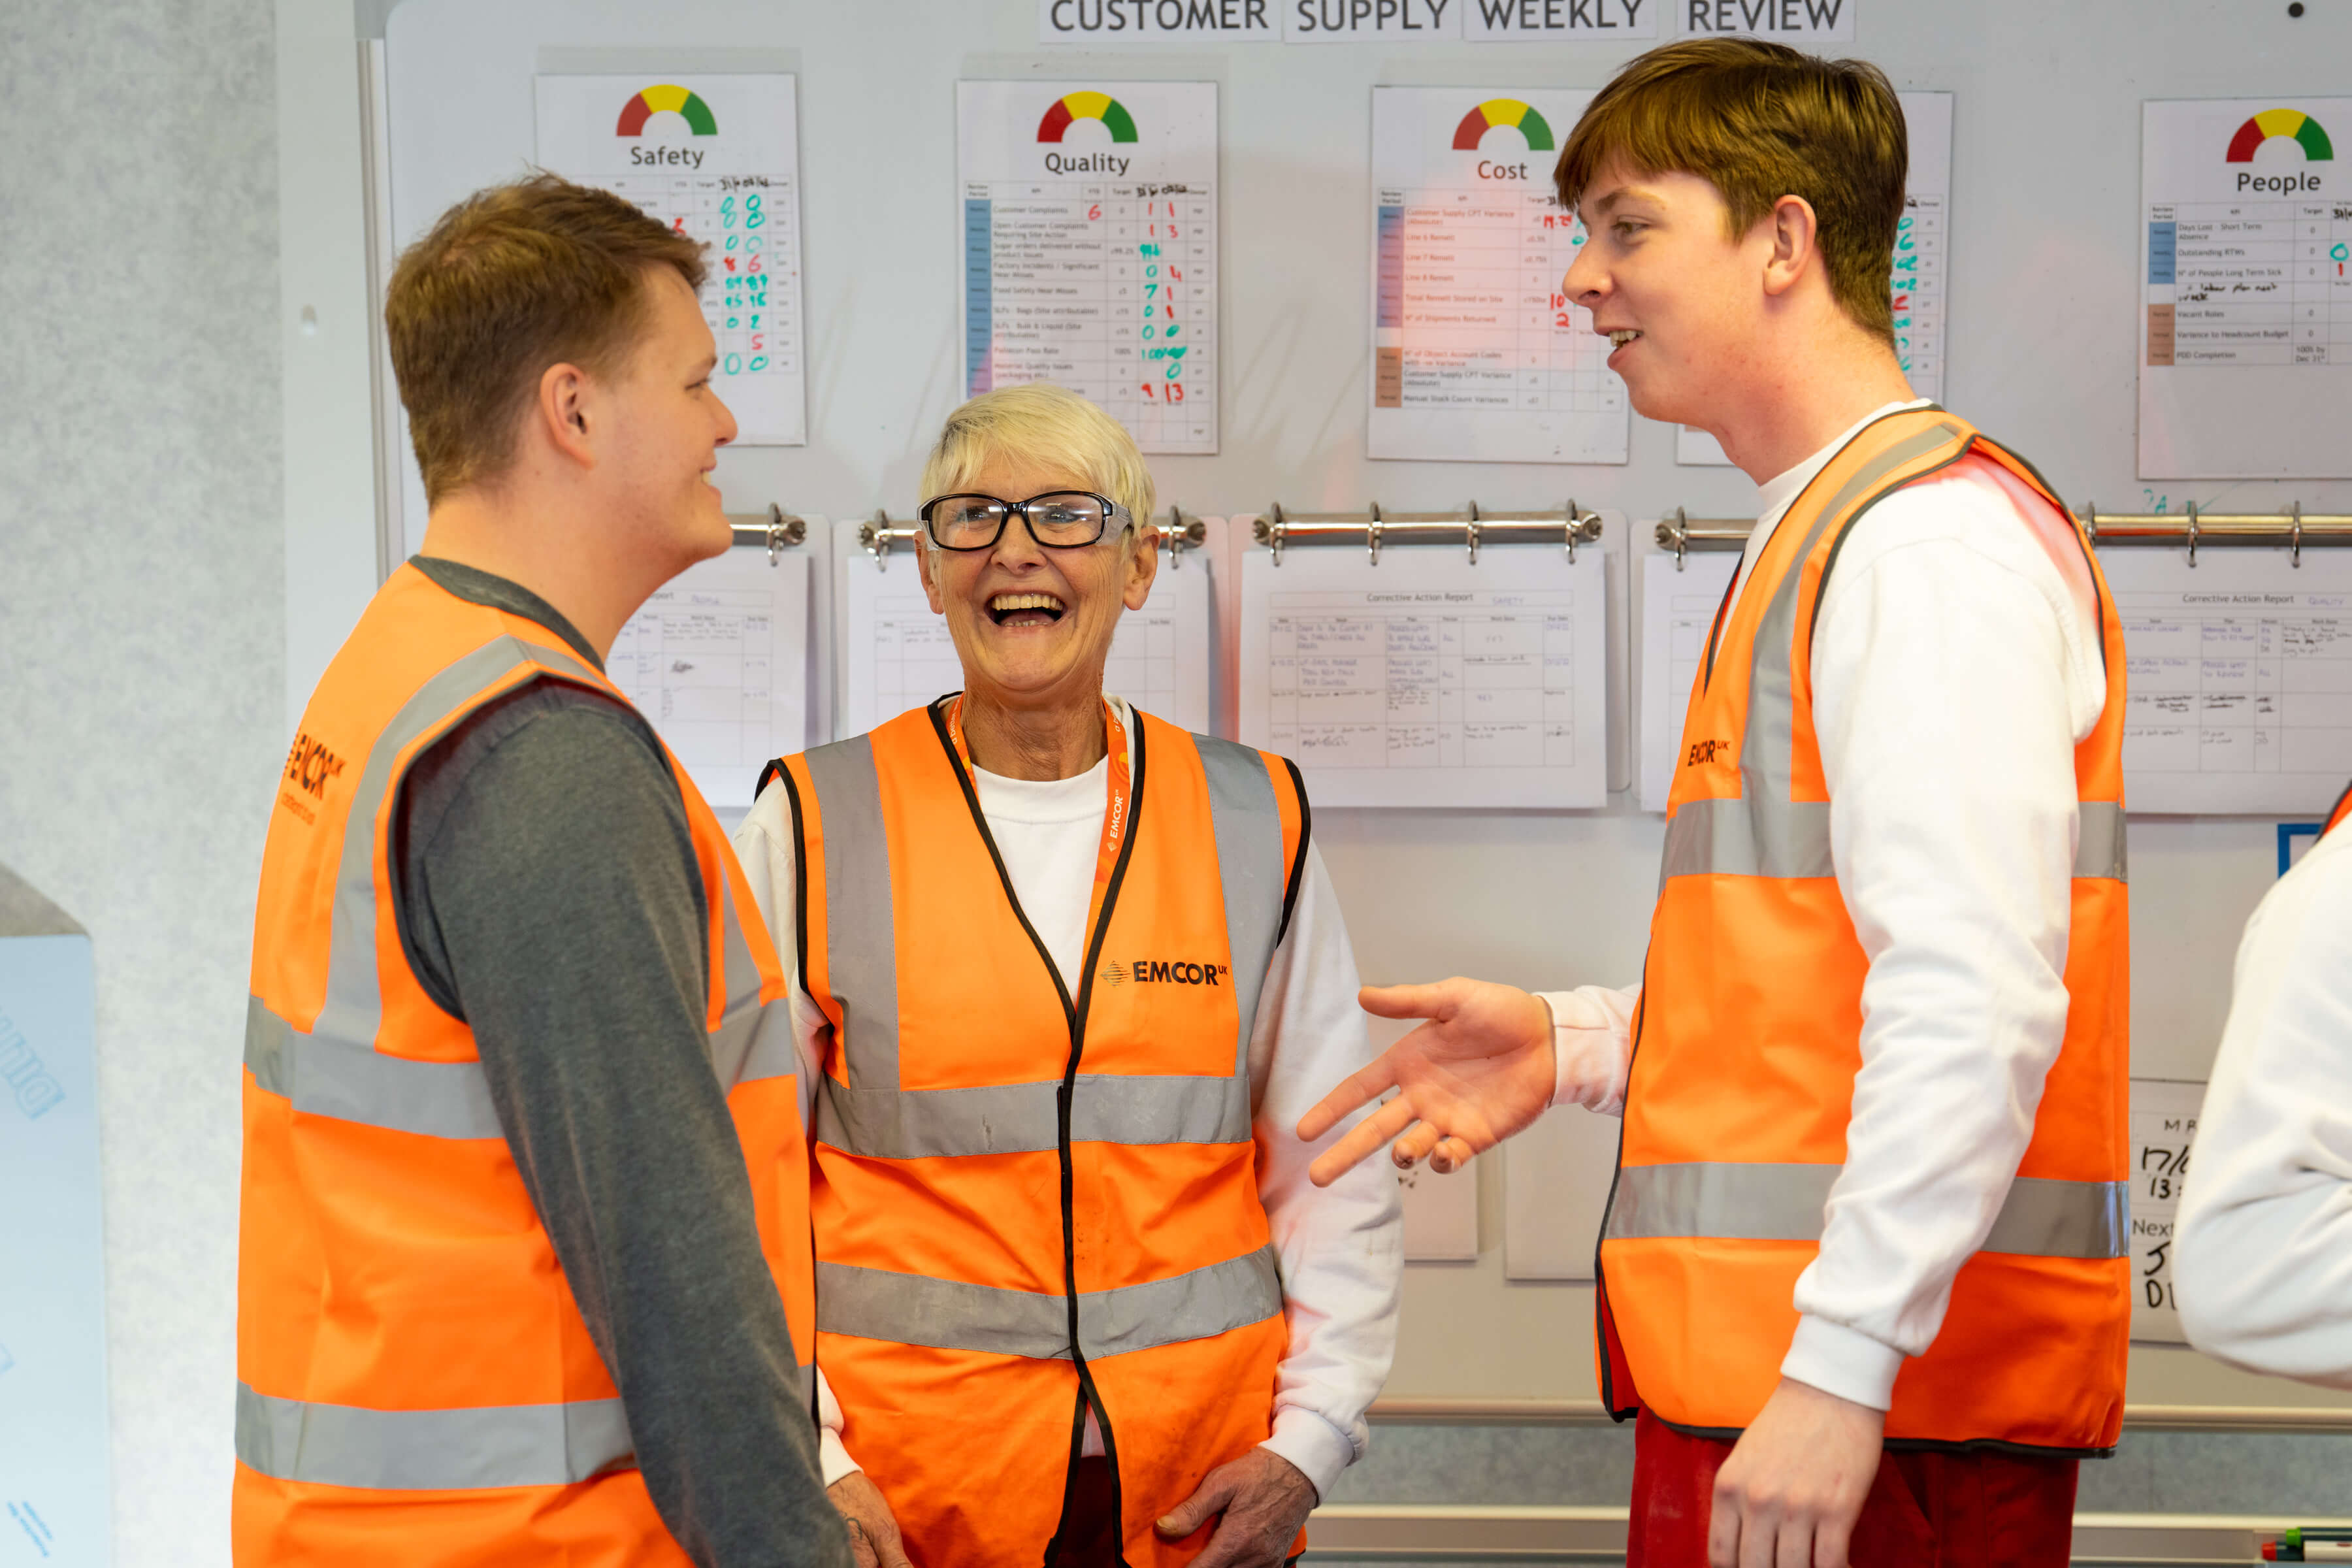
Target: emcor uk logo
x=1164, y=972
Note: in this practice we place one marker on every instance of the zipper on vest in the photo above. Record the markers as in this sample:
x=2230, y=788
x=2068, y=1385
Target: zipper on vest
x=1075, y=1014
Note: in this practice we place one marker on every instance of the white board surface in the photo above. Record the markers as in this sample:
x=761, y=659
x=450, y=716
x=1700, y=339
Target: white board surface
x=2042, y=285
x=1088, y=213
x=1422, y=679
x=718, y=159
x=1475, y=352
x=2245, y=325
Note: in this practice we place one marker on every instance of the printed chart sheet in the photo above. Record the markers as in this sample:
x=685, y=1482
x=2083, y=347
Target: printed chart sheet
x=2246, y=325
x=1917, y=282
x=718, y=159
x=2163, y=1126
x=718, y=660
x=1677, y=612
x=1090, y=248
x=1424, y=680
x=2240, y=675
x=1476, y=355
x=896, y=655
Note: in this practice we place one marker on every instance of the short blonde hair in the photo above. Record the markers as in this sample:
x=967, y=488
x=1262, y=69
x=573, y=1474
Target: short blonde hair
x=1039, y=422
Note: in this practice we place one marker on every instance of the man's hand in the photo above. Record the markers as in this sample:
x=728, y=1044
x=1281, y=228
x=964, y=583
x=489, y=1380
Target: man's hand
x=1264, y=1500
x=873, y=1532
x=1478, y=1072
x=1795, y=1482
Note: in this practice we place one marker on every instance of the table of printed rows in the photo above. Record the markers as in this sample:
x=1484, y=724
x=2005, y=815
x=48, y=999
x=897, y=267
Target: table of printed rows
x=2237, y=693
x=915, y=660
x=1358, y=685
x=2250, y=283
x=751, y=295
x=1110, y=291
x=704, y=674
x=1470, y=312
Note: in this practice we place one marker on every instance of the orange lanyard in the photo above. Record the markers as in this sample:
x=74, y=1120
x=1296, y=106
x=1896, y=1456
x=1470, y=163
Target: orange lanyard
x=1115, y=814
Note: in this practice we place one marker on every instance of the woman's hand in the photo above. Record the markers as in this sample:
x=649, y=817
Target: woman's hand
x=872, y=1531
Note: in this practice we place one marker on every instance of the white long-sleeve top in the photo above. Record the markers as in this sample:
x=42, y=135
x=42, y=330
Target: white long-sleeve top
x=2261, y=1255
x=1956, y=664
x=1340, y=1249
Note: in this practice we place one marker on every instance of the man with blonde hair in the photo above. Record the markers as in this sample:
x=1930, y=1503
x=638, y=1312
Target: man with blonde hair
x=1064, y=977
x=1863, y=1276
x=507, y=1292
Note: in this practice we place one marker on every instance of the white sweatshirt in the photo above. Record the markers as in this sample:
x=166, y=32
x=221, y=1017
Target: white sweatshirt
x=2261, y=1258
x=1340, y=1248
x=1956, y=664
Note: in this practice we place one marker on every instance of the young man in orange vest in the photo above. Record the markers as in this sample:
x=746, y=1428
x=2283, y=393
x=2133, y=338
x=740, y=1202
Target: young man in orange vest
x=506, y=1292
x=1863, y=1272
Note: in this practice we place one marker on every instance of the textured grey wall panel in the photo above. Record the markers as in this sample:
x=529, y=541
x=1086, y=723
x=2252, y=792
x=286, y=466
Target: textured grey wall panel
x=141, y=624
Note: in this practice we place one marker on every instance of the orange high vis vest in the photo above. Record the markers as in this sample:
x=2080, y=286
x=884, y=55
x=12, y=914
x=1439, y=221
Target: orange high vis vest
x=1035, y=1191
x=415, y=1385
x=1748, y=1040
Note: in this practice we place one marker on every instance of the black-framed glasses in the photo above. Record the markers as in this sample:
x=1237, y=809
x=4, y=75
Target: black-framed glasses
x=1058, y=520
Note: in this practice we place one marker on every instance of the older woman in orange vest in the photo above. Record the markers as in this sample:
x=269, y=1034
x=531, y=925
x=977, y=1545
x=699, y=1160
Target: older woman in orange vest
x=1065, y=978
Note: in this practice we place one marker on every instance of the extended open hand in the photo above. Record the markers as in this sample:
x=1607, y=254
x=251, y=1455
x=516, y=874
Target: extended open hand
x=1479, y=1069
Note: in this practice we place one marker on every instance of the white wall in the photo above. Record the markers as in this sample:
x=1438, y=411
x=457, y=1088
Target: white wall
x=141, y=633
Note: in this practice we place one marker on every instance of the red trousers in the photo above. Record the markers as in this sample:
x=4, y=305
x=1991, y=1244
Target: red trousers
x=1925, y=1510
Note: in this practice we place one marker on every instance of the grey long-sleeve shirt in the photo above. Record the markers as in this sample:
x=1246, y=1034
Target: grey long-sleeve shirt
x=548, y=895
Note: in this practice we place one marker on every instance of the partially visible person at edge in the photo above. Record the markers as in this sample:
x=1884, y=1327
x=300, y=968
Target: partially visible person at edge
x=507, y=1292
x=1863, y=1276
x=2261, y=1258
x=1065, y=976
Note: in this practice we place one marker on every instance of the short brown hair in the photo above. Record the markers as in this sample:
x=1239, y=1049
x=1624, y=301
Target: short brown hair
x=1759, y=121
x=509, y=282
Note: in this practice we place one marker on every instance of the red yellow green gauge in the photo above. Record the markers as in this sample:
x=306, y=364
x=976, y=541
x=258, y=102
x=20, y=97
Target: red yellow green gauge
x=1502, y=111
x=1076, y=106
x=2289, y=123
x=672, y=99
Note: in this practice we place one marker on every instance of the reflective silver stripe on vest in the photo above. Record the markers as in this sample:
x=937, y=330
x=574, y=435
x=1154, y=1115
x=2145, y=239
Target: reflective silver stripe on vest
x=325, y=1077
x=1753, y=838
x=861, y=936
x=1022, y=1118
x=915, y=1309
x=335, y=1071
x=1734, y=837
x=1769, y=1202
x=2099, y=846
x=431, y=1450
x=1248, y=826
x=873, y=1117
x=1767, y=749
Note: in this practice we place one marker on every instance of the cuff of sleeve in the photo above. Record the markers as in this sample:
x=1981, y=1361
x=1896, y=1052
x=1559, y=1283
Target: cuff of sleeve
x=1320, y=1450
x=1844, y=1361
x=832, y=1460
x=1582, y=1051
